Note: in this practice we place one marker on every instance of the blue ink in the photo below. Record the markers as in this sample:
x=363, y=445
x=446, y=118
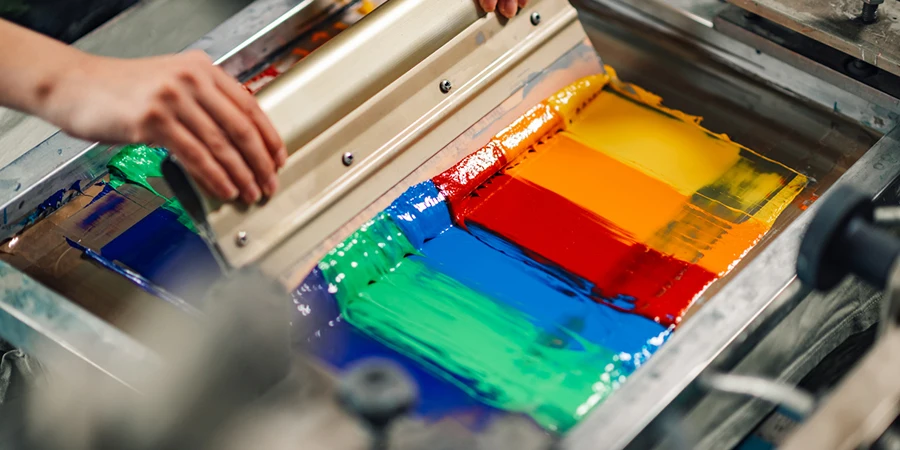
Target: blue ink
x=167, y=253
x=319, y=328
x=421, y=213
x=550, y=303
x=135, y=278
x=107, y=188
x=107, y=205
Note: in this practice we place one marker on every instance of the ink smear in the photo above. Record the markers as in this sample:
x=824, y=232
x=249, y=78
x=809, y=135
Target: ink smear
x=541, y=270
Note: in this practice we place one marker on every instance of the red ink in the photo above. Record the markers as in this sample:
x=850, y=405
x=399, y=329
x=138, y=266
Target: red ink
x=626, y=275
x=320, y=36
x=461, y=179
x=268, y=72
x=807, y=203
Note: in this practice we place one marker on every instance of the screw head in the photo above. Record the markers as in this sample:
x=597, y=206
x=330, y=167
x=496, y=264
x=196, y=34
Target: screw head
x=535, y=18
x=347, y=159
x=242, y=239
x=446, y=86
x=378, y=391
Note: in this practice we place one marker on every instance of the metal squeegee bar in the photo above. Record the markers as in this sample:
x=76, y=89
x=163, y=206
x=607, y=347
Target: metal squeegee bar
x=428, y=40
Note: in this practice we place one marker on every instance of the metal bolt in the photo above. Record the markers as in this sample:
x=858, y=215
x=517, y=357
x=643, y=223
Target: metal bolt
x=870, y=11
x=446, y=86
x=347, y=159
x=241, y=239
x=535, y=18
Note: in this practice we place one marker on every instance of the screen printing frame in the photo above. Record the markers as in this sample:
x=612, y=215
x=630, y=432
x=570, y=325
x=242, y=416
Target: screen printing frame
x=760, y=300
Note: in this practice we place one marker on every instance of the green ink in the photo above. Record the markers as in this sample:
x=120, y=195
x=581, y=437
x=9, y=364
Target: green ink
x=135, y=164
x=460, y=334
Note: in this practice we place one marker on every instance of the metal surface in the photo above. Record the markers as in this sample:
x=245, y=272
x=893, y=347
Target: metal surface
x=790, y=397
x=56, y=165
x=813, y=57
x=63, y=336
x=727, y=318
x=396, y=130
x=838, y=24
x=692, y=21
x=862, y=407
x=383, y=46
x=250, y=37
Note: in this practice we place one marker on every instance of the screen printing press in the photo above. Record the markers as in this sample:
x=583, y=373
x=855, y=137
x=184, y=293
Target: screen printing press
x=373, y=98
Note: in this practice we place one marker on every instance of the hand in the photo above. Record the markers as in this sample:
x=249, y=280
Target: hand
x=508, y=8
x=184, y=103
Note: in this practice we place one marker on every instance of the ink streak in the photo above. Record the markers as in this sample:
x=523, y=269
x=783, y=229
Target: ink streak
x=624, y=274
x=136, y=278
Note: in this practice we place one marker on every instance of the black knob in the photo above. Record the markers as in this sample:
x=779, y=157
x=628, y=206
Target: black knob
x=842, y=239
x=378, y=392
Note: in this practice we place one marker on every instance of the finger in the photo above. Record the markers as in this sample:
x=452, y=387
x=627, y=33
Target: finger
x=244, y=136
x=488, y=5
x=508, y=8
x=523, y=3
x=196, y=160
x=247, y=102
x=197, y=121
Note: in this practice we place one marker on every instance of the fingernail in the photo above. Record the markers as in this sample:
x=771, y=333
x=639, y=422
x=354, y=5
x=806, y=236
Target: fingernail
x=231, y=193
x=271, y=186
x=282, y=157
x=252, y=195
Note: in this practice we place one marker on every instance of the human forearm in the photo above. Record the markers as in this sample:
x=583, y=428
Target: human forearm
x=181, y=102
x=30, y=66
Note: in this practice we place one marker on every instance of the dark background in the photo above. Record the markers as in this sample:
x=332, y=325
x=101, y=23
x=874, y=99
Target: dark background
x=66, y=20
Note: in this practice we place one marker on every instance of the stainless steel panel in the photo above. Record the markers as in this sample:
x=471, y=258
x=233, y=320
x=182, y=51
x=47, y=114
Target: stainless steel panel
x=64, y=336
x=838, y=24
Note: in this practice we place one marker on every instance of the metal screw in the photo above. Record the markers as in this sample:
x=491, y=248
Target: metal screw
x=242, y=239
x=535, y=18
x=446, y=86
x=870, y=11
x=347, y=159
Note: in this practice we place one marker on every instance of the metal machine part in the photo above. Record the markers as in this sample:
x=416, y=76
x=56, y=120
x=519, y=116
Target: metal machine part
x=870, y=10
x=798, y=402
x=843, y=239
x=402, y=80
x=842, y=25
x=771, y=105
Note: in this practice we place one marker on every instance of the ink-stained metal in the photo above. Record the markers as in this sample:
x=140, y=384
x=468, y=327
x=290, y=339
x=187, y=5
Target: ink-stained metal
x=839, y=25
x=386, y=143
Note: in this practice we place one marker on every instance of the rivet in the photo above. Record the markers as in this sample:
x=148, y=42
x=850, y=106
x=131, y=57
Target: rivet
x=242, y=239
x=535, y=18
x=347, y=159
x=446, y=86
